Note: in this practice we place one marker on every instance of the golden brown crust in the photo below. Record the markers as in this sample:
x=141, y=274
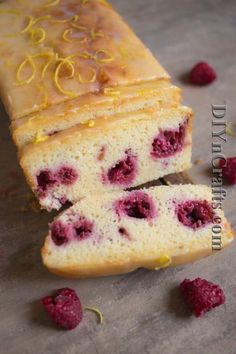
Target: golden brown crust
x=50, y=54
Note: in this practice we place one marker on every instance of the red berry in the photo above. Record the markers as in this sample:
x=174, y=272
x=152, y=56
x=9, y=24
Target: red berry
x=137, y=205
x=202, y=74
x=168, y=142
x=229, y=169
x=201, y=295
x=64, y=308
x=195, y=213
x=124, y=171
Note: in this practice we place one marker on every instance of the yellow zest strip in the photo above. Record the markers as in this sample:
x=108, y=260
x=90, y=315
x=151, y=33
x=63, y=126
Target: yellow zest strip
x=108, y=56
x=84, y=55
x=231, y=129
x=45, y=99
x=92, y=79
x=45, y=54
x=18, y=74
x=98, y=313
x=69, y=32
x=56, y=78
x=46, y=66
x=95, y=34
x=84, y=2
x=111, y=92
x=39, y=138
x=74, y=18
x=68, y=62
x=37, y=35
x=54, y=20
x=10, y=11
x=29, y=25
x=42, y=18
x=163, y=262
x=79, y=27
x=91, y=123
x=52, y=3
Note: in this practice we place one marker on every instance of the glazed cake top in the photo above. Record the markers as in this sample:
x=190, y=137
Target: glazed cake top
x=55, y=50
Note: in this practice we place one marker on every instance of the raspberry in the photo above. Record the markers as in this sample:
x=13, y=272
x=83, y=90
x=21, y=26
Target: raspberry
x=195, y=213
x=229, y=169
x=168, y=142
x=137, y=205
x=83, y=228
x=202, y=74
x=201, y=295
x=64, y=308
x=67, y=175
x=124, y=171
x=45, y=180
x=61, y=233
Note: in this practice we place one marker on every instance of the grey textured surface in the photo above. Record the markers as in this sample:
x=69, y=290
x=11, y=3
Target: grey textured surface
x=142, y=310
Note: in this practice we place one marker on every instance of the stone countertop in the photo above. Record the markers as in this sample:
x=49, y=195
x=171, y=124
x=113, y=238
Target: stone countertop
x=142, y=310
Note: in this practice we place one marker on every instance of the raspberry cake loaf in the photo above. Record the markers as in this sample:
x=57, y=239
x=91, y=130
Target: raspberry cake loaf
x=120, y=152
x=118, y=232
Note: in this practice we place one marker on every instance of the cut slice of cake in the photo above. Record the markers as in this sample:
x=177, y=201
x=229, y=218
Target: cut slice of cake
x=51, y=53
x=112, y=153
x=114, y=233
x=38, y=126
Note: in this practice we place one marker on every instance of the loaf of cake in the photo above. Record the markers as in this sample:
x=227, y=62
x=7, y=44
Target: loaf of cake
x=118, y=232
x=67, y=61
x=118, y=152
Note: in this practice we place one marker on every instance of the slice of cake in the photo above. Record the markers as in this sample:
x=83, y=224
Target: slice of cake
x=152, y=95
x=118, y=232
x=112, y=153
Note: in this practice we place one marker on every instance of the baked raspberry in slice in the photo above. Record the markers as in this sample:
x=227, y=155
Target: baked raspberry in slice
x=124, y=171
x=195, y=213
x=120, y=231
x=137, y=205
x=228, y=167
x=61, y=233
x=64, y=308
x=168, y=142
x=201, y=295
x=45, y=180
x=66, y=175
x=76, y=228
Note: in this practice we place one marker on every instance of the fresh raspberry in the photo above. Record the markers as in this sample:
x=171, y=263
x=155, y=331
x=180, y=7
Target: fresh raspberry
x=229, y=169
x=195, y=213
x=168, y=142
x=201, y=295
x=137, y=205
x=64, y=308
x=202, y=74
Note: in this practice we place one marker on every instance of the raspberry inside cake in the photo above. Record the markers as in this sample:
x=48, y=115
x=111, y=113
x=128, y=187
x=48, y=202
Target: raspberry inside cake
x=113, y=154
x=118, y=232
